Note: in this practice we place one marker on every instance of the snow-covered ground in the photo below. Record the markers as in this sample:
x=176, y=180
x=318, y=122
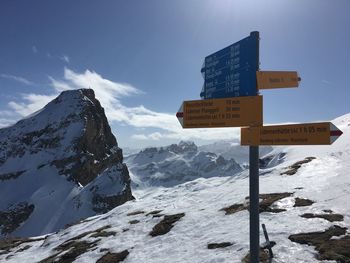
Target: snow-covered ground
x=324, y=180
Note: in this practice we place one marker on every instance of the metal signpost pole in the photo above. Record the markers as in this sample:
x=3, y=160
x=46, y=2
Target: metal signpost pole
x=254, y=225
x=254, y=203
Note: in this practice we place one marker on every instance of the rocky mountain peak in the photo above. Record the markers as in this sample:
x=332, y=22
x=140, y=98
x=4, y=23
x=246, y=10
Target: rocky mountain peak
x=66, y=147
x=183, y=147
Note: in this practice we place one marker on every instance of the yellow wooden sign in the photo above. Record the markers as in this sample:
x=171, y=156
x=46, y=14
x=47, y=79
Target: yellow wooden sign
x=323, y=133
x=277, y=79
x=226, y=112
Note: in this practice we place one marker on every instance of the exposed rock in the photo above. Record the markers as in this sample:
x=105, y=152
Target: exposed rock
x=219, y=245
x=9, y=176
x=153, y=213
x=7, y=244
x=269, y=199
x=75, y=246
x=113, y=257
x=264, y=205
x=263, y=255
x=166, y=224
x=183, y=147
x=133, y=222
x=11, y=218
x=314, y=238
x=234, y=208
x=97, y=146
x=327, y=211
x=295, y=167
x=135, y=213
x=103, y=203
x=271, y=160
x=302, y=202
x=69, y=251
x=336, y=249
x=329, y=217
x=102, y=232
x=328, y=249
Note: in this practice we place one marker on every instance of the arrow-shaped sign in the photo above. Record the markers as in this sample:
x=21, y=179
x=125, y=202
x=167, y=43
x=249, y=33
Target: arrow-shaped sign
x=323, y=133
x=277, y=79
x=227, y=112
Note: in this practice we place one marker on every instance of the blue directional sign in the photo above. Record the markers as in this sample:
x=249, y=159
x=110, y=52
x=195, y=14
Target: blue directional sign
x=231, y=72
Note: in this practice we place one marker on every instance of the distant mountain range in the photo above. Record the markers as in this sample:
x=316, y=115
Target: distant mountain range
x=177, y=163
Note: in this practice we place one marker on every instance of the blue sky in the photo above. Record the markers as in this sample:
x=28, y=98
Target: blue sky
x=143, y=58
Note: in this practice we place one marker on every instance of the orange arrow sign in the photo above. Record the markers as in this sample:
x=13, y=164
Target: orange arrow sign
x=323, y=133
x=277, y=79
x=227, y=112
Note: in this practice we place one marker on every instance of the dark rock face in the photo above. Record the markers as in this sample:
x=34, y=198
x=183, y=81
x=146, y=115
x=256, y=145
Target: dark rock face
x=114, y=257
x=97, y=146
x=327, y=247
x=166, y=224
x=328, y=217
x=65, y=149
x=293, y=169
x=219, y=245
x=302, y=202
x=12, y=217
x=98, y=141
x=264, y=205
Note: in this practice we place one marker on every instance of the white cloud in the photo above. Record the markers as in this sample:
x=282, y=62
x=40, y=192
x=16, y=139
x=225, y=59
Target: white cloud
x=65, y=58
x=326, y=82
x=7, y=118
x=17, y=78
x=5, y=122
x=110, y=94
x=34, y=49
x=139, y=137
x=191, y=134
x=32, y=102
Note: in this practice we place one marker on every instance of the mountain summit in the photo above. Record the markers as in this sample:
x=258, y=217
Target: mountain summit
x=60, y=165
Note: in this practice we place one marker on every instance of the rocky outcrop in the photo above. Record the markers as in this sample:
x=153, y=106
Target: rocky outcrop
x=12, y=217
x=65, y=160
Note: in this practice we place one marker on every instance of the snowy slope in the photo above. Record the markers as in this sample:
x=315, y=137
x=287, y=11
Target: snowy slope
x=59, y=165
x=325, y=180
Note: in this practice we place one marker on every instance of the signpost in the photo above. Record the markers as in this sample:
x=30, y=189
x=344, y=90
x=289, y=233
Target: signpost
x=215, y=113
x=230, y=92
x=324, y=133
x=231, y=72
x=277, y=79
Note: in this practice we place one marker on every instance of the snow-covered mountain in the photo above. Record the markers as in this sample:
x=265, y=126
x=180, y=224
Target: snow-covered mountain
x=177, y=163
x=304, y=205
x=233, y=150
x=59, y=165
